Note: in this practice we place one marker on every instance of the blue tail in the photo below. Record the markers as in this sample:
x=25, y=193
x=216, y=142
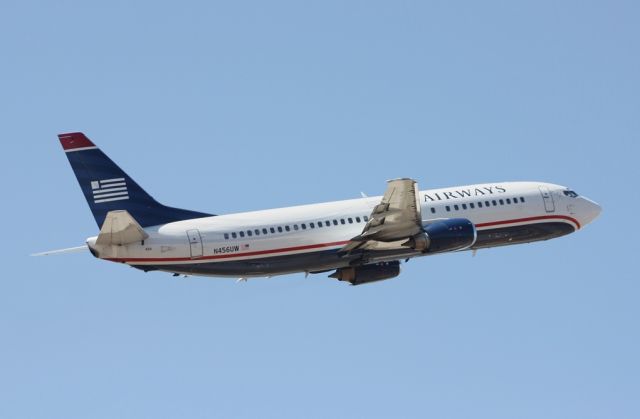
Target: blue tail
x=107, y=187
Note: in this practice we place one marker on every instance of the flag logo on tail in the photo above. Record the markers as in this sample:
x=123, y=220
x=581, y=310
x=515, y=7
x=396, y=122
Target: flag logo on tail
x=108, y=190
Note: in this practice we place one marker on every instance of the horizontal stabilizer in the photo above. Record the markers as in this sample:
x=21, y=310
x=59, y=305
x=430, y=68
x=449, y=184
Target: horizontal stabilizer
x=61, y=251
x=120, y=228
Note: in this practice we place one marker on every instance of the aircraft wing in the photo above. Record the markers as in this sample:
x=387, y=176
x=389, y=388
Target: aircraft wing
x=396, y=218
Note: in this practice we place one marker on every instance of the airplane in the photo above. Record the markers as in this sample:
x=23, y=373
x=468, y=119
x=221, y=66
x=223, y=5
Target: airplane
x=359, y=240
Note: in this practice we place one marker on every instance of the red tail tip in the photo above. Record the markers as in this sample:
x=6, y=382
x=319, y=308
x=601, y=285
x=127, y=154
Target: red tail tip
x=74, y=140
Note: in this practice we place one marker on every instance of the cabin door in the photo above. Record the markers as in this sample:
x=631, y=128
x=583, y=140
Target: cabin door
x=195, y=242
x=549, y=205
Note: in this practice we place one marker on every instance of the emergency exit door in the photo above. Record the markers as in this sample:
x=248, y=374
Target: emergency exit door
x=195, y=242
x=549, y=205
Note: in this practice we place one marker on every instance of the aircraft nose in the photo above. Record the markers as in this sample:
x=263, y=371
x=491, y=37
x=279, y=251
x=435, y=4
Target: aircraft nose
x=591, y=210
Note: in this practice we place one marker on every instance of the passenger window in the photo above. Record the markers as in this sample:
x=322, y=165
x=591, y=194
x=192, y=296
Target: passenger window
x=357, y=219
x=448, y=208
x=335, y=222
x=494, y=202
x=279, y=229
x=522, y=199
x=304, y=226
x=264, y=231
x=464, y=206
x=366, y=218
x=226, y=236
x=433, y=210
x=319, y=224
x=508, y=201
x=312, y=225
x=501, y=202
x=249, y=233
x=342, y=221
x=234, y=235
x=273, y=230
x=350, y=220
x=287, y=228
x=480, y=204
x=487, y=203
x=242, y=234
x=471, y=204
x=456, y=207
x=327, y=223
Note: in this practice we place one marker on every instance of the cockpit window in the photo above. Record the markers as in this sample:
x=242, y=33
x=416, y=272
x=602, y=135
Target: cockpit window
x=570, y=193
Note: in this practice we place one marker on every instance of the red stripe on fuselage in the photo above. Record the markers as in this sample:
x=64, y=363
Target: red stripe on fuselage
x=524, y=220
x=254, y=253
x=322, y=245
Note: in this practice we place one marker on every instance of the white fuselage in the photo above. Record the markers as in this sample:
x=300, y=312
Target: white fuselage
x=301, y=238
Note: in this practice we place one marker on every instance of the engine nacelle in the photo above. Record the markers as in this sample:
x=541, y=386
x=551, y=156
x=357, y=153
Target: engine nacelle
x=450, y=235
x=367, y=273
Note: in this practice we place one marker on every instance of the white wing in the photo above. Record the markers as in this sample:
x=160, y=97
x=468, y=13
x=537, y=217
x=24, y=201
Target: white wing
x=395, y=219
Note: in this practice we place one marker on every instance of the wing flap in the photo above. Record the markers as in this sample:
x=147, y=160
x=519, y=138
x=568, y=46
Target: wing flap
x=396, y=218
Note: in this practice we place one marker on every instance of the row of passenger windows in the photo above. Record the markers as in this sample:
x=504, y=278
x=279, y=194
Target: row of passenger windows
x=328, y=223
x=295, y=227
x=481, y=204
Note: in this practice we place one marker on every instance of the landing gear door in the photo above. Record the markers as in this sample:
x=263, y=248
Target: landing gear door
x=549, y=205
x=195, y=243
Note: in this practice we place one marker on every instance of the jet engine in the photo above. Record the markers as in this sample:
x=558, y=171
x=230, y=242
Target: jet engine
x=357, y=275
x=444, y=236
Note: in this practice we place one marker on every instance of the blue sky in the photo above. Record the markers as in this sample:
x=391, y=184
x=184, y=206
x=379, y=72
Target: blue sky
x=225, y=107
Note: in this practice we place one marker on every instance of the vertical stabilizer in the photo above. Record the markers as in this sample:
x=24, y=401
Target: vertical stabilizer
x=106, y=187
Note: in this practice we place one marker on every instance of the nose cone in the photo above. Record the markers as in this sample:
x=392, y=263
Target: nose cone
x=589, y=211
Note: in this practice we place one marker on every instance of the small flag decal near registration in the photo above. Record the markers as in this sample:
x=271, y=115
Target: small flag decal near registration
x=108, y=190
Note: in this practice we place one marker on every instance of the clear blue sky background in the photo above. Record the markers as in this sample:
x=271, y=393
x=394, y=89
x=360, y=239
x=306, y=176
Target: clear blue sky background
x=249, y=105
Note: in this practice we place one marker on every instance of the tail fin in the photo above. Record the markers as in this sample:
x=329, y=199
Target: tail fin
x=107, y=187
